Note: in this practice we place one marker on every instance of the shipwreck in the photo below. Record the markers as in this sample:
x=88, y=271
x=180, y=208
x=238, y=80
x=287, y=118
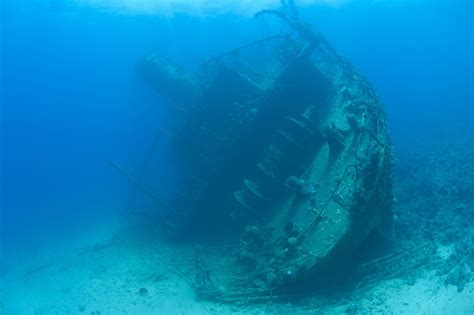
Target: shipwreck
x=292, y=160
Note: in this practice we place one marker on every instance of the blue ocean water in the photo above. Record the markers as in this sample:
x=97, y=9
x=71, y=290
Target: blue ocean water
x=71, y=100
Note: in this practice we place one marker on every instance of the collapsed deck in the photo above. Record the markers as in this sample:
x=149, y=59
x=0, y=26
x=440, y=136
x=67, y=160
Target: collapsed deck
x=292, y=160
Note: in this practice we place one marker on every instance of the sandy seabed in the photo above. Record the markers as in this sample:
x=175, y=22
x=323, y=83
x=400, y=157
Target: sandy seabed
x=100, y=273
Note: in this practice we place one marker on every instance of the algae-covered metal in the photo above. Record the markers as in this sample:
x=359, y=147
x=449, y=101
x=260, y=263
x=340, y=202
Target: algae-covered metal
x=292, y=157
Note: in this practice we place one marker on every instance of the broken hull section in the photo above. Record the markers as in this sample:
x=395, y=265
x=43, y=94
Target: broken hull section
x=293, y=163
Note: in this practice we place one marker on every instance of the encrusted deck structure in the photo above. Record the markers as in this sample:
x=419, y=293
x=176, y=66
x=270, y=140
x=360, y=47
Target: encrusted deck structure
x=292, y=160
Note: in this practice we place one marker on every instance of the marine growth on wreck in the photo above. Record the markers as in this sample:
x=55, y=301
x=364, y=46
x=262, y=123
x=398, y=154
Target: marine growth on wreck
x=292, y=160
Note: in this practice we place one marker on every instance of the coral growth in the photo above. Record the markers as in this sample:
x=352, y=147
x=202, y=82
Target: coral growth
x=436, y=203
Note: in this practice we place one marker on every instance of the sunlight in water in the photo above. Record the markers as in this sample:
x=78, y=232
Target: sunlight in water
x=194, y=7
